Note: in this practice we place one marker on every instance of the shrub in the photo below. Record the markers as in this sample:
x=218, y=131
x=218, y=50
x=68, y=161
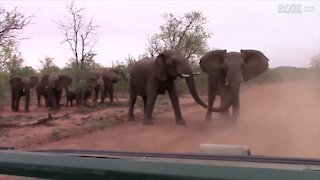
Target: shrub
x=4, y=77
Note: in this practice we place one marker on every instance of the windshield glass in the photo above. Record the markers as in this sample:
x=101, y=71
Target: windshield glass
x=161, y=76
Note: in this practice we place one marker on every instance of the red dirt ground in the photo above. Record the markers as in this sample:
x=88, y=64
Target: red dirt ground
x=280, y=119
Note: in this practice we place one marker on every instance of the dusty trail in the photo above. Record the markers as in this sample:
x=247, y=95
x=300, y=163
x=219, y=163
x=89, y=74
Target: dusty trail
x=276, y=119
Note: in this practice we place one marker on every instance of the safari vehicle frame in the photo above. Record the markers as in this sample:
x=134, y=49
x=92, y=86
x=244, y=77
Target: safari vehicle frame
x=87, y=164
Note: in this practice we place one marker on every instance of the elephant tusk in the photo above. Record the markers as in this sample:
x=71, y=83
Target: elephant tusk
x=185, y=75
x=196, y=74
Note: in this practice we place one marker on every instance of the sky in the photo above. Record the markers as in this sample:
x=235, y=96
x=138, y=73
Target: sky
x=287, y=32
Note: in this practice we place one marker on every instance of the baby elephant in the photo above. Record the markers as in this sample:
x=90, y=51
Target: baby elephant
x=83, y=95
x=71, y=95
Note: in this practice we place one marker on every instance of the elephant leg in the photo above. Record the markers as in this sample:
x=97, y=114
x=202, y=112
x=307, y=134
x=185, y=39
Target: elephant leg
x=18, y=96
x=144, y=104
x=46, y=98
x=236, y=108
x=151, y=99
x=39, y=99
x=175, y=104
x=71, y=102
x=95, y=96
x=223, y=100
x=111, y=94
x=27, y=100
x=53, y=101
x=13, y=99
x=211, y=97
x=77, y=102
x=102, y=97
x=133, y=98
x=58, y=96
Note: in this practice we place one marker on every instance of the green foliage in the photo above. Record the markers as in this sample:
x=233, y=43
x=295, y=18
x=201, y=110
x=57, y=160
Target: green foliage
x=11, y=22
x=124, y=67
x=10, y=57
x=55, y=134
x=88, y=63
x=24, y=71
x=48, y=66
x=4, y=77
x=186, y=34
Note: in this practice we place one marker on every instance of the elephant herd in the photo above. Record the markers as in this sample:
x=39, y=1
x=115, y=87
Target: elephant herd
x=51, y=87
x=150, y=77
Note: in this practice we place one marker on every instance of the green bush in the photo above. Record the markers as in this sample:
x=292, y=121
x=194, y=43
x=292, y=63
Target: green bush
x=4, y=78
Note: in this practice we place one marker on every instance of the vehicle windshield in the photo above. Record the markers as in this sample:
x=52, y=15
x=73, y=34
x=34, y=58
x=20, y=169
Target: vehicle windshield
x=161, y=76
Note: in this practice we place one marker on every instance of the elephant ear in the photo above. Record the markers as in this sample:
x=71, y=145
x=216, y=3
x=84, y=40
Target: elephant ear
x=212, y=62
x=33, y=81
x=15, y=80
x=256, y=63
x=160, y=70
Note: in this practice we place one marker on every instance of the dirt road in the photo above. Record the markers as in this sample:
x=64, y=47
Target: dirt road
x=276, y=119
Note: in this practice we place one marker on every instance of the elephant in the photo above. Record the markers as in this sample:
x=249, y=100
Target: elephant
x=83, y=95
x=22, y=86
x=71, y=95
x=51, y=86
x=104, y=81
x=150, y=77
x=226, y=71
x=79, y=95
x=98, y=86
x=40, y=89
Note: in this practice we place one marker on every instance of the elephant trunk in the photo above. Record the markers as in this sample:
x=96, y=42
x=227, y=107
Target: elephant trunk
x=193, y=91
x=232, y=93
x=27, y=99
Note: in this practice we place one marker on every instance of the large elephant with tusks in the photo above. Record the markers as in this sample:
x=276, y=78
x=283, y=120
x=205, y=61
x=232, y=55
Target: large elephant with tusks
x=226, y=71
x=151, y=77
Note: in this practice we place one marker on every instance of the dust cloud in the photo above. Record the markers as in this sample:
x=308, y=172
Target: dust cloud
x=276, y=119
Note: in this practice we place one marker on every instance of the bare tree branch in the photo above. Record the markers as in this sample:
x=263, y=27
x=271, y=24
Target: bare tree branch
x=79, y=33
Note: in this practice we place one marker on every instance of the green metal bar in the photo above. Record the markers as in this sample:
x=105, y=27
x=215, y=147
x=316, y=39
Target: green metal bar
x=52, y=166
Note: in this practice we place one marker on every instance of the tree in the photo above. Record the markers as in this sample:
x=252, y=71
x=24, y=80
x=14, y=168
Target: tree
x=25, y=71
x=88, y=62
x=48, y=66
x=11, y=23
x=186, y=34
x=10, y=57
x=78, y=33
x=315, y=61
